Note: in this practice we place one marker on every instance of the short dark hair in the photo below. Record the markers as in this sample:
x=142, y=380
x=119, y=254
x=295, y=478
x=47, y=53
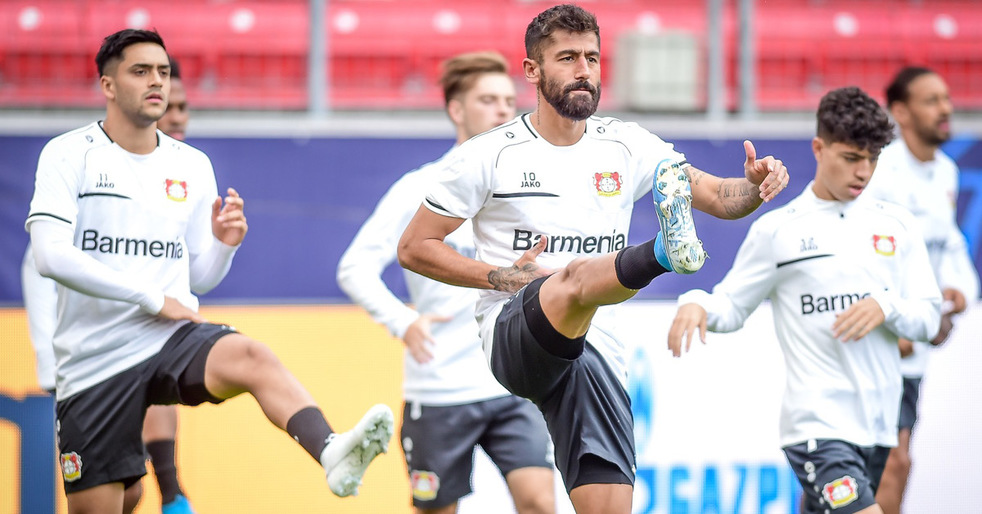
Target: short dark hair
x=175, y=70
x=461, y=72
x=572, y=18
x=899, y=88
x=114, y=44
x=848, y=115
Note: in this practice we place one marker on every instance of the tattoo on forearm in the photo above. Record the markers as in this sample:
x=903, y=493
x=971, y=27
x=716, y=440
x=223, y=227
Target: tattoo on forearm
x=695, y=175
x=739, y=197
x=512, y=278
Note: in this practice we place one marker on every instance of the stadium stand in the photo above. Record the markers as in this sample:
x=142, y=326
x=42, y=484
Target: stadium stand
x=252, y=54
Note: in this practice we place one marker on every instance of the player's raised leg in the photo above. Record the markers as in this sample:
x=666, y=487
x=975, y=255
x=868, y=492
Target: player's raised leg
x=238, y=364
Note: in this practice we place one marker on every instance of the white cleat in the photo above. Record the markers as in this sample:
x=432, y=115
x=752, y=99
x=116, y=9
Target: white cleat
x=347, y=455
x=673, y=203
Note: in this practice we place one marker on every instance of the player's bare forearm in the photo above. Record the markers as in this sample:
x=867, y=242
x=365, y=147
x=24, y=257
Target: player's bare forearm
x=434, y=259
x=726, y=198
x=739, y=197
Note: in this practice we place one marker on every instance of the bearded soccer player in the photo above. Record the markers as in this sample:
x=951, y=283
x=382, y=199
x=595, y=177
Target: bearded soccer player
x=559, y=185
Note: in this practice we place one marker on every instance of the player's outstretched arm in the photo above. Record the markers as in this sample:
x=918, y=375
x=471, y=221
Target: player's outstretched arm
x=423, y=251
x=689, y=317
x=731, y=198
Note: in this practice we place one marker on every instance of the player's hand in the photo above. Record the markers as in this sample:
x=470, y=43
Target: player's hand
x=689, y=317
x=228, y=222
x=955, y=300
x=768, y=173
x=858, y=320
x=946, y=325
x=418, y=336
x=525, y=270
x=175, y=310
x=906, y=347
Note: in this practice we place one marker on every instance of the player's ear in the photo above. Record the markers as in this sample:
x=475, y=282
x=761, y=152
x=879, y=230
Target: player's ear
x=531, y=69
x=455, y=109
x=817, y=145
x=108, y=87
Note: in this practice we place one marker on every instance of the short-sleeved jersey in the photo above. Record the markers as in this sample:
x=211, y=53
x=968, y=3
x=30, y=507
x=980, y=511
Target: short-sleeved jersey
x=930, y=191
x=517, y=187
x=145, y=214
x=458, y=373
x=814, y=258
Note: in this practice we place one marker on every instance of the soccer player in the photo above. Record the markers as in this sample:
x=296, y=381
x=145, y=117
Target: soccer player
x=844, y=273
x=40, y=302
x=128, y=221
x=560, y=183
x=915, y=173
x=452, y=402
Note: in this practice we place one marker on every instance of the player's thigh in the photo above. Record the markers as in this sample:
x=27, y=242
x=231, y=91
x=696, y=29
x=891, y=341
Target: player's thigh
x=438, y=443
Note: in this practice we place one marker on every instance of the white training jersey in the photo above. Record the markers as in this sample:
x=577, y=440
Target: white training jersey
x=518, y=187
x=458, y=372
x=930, y=191
x=814, y=258
x=41, y=305
x=139, y=222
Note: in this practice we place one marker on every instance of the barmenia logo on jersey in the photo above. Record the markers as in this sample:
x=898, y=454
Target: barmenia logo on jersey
x=177, y=190
x=884, y=245
x=524, y=240
x=71, y=466
x=608, y=184
x=841, y=492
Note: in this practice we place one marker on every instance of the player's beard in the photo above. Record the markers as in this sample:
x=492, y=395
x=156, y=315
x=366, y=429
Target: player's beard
x=933, y=135
x=574, y=107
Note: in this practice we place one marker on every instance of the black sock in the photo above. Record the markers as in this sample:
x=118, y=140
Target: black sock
x=162, y=456
x=309, y=428
x=636, y=266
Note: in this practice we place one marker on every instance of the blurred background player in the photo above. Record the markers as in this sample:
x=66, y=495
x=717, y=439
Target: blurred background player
x=915, y=173
x=128, y=221
x=41, y=304
x=452, y=402
x=845, y=276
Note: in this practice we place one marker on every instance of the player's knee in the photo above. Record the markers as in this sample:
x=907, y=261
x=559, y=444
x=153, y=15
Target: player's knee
x=259, y=356
x=572, y=280
x=542, y=502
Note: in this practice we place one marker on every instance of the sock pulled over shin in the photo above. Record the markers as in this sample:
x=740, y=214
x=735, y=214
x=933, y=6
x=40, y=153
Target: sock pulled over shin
x=638, y=265
x=162, y=457
x=309, y=428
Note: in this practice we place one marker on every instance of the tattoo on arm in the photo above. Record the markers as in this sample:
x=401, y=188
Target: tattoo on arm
x=695, y=175
x=512, y=278
x=739, y=197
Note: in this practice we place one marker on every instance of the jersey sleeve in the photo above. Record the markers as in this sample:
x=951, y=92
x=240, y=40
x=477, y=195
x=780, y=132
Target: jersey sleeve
x=373, y=249
x=749, y=281
x=209, y=258
x=56, y=186
x=913, y=309
x=956, y=270
x=462, y=186
x=650, y=151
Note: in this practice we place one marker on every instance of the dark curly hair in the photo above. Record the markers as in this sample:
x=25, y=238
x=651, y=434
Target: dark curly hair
x=572, y=18
x=114, y=44
x=899, y=88
x=848, y=115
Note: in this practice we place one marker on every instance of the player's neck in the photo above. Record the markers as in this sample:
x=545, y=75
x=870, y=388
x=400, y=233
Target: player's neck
x=556, y=129
x=129, y=136
x=921, y=150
